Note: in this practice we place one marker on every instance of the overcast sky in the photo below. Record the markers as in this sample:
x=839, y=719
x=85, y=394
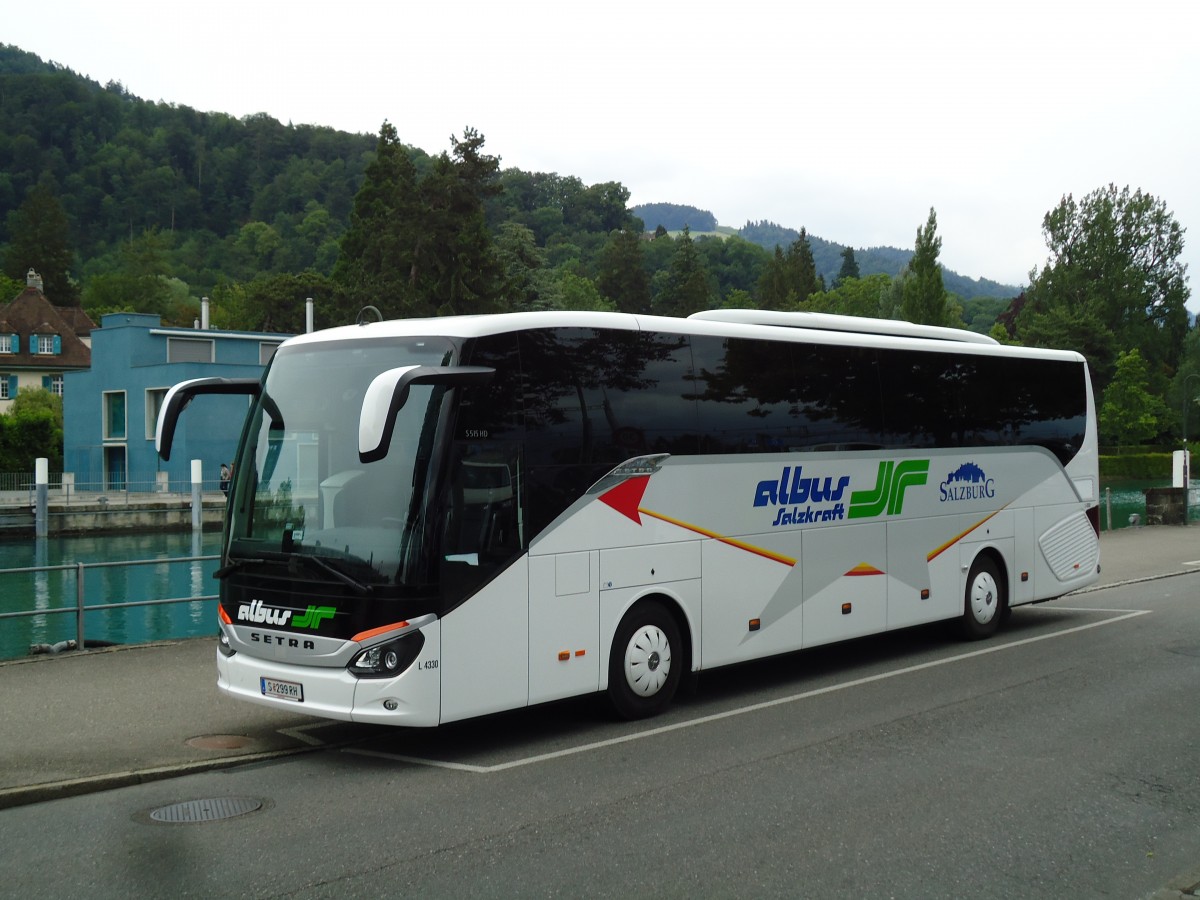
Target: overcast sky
x=850, y=119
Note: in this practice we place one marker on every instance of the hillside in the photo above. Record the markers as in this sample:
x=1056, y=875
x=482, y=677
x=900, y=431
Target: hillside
x=826, y=254
x=253, y=212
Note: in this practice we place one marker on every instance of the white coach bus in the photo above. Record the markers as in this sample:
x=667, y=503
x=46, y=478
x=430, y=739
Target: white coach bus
x=442, y=518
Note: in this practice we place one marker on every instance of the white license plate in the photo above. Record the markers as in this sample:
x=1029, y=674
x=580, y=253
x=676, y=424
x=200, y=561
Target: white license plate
x=284, y=690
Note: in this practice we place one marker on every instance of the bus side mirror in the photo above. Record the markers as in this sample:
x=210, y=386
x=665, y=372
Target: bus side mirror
x=181, y=395
x=388, y=392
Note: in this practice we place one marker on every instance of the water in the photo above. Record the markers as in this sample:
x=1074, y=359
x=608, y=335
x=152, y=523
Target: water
x=56, y=590
x=1128, y=499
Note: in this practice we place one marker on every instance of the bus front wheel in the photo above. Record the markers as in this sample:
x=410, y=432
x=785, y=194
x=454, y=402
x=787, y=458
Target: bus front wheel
x=646, y=663
x=985, y=600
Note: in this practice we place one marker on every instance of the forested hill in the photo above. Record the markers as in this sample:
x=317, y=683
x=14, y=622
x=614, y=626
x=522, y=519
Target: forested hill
x=121, y=165
x=131, y=192
x=826, y=254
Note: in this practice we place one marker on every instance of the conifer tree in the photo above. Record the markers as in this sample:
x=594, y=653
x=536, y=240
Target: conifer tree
x=924, y=300
x=40, y=240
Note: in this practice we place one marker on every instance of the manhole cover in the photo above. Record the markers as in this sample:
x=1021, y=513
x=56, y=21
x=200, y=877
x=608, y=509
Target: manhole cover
x=205, y=810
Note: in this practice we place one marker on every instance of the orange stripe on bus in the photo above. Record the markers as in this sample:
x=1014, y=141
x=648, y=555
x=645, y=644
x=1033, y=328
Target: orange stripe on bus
x=375, y=632
x=865, y=569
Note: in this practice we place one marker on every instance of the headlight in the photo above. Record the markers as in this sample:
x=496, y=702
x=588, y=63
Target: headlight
x=390, y=659
x=223, y=643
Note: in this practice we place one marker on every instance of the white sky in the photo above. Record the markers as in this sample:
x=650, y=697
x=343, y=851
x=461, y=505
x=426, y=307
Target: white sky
x=850, y=119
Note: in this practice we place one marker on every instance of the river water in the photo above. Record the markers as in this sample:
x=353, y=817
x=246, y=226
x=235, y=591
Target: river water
x=117, y=584
x=1128, y=499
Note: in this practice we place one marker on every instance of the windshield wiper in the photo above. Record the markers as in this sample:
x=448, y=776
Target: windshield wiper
x=234, y=563
x=353, y=583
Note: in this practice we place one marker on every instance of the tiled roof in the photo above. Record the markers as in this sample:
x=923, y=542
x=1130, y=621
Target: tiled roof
x=32, y=314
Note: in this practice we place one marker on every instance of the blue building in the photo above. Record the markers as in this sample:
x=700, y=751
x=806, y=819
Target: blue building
x=110, y=410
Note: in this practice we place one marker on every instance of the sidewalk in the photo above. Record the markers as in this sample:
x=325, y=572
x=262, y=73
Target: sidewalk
x=84, y=722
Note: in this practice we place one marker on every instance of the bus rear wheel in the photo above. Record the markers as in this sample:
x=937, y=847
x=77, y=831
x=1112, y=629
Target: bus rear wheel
x=646, y=662
x=985, y=601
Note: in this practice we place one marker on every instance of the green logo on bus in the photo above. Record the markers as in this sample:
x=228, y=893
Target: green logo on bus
x=313, y=617
x=890, y=484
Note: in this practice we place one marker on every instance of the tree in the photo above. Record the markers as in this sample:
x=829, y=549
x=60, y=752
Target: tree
x=623, y=279
x=686, y=287
x=849, y=267
x=39, y=239
x=924, y=296
x=1114, y=260
x=852, y=297
x=790, y=278
x=421, y=246
x=1130, y=414
x=377, y=261
x=32, y=428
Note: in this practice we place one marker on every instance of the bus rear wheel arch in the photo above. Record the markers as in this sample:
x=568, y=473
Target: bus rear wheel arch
x=647, y=661
x=986, y=598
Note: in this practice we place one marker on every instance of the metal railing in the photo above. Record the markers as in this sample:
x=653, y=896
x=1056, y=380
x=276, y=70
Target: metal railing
x=17, y=490
x=80, y=607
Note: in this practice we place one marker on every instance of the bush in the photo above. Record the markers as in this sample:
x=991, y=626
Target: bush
x=1143, y=466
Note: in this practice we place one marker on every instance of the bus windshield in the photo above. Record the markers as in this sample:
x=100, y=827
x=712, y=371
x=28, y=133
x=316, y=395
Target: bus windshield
x=301, y=492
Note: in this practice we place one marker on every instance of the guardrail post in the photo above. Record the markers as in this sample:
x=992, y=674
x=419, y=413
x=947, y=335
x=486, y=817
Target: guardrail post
x=42, y=480
x=79, y=594
x=197, y=495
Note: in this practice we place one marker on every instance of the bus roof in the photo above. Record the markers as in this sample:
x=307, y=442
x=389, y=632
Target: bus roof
x=761, y=324
x=853, y=324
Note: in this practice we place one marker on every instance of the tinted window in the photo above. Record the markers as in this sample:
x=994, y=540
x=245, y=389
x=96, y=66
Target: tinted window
x=595, y=398
x=767, y=396
x=960, y=400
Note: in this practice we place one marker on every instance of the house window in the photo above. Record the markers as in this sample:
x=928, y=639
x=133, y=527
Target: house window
x=6, y=343
x=6, y=391
x=114, y=415
x=266, y=352
x=154, y=402
x=48, y=345
x=53, y=383
x=184, y=350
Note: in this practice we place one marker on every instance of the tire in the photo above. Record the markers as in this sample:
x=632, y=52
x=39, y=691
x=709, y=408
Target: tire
x=646, y=663
x=984, y=604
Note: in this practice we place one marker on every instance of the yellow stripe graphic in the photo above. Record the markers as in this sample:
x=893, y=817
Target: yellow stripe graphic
x=732, y=542
x=938, y=551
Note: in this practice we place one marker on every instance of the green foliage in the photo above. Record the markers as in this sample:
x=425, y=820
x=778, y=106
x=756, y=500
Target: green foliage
x=623, y=280
x=924, y=298
x=674, y=217
x=979, y=314
x=1144, y=466
x=40, y=240
x=1114, y=276
x=1130, y=414
x=849, y=267
x=852, y=297
x=10, y=287
x=687, y=286
x=32, y=428
x=790, y=278
x=829, y=258
x=419, y=245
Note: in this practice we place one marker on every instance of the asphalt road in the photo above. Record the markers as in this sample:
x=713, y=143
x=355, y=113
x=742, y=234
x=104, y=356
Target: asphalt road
x=1061, y=759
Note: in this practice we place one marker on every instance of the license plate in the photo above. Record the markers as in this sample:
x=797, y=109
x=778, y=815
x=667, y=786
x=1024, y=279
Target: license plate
x=284, y=690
